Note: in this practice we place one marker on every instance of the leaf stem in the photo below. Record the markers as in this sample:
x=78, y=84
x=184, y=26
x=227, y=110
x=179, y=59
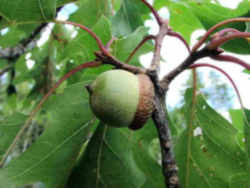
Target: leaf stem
x=212, y=29
x=231, y=59
x=98, y=40
x=215, y=43
x=155, y=63
x=154, y=12
x=148, y=37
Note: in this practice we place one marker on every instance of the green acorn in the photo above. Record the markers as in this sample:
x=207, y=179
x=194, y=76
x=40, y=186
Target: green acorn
x=122, y=99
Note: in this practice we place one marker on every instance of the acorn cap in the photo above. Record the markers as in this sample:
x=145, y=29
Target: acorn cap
x=122, y=99
x=145, y=105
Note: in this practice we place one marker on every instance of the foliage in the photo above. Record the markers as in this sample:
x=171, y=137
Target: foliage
x=75, y=149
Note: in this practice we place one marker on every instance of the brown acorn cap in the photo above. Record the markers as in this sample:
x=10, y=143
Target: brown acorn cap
x=146, y=102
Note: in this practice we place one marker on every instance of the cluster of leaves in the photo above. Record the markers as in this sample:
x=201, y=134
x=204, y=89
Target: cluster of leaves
x=75, y=149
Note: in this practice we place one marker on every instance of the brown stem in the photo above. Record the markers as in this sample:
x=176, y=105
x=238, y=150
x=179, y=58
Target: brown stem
x=169, y=167
x=224, y=32
x=110, y=60
x=212, y=29
x=194, y=56
x=232, y=59
x=215, y=43
x=154, y=12
x=148, y=37
x=155, y=64
x=44, y=99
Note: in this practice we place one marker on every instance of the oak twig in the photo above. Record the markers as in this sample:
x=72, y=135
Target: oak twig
x=194, y=56
x=23, y=46
x=231, y=59
x=154, y=12
x=212, y=29
x=169, y=167
x=155, y=63
x=110, y=60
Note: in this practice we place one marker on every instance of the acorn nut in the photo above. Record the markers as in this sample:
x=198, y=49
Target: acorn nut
x=122, y=99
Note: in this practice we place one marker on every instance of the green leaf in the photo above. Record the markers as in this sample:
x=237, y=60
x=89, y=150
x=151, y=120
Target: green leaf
x=8, y=130
x=187, y=16
x=210, y=14
x=183, y=20
x=238, y=122
x=50, y=159
x=239, y=180
x=208, y=159
x=13, y=36
x=123, y=47
x=247, y=27
x=115, y=158
x=27, y=11
x=63, y=2
x=247, y=136
x=128, y=18
x=89, y=12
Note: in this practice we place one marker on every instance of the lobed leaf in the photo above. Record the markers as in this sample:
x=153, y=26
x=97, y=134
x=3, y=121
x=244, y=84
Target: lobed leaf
x=50, y=159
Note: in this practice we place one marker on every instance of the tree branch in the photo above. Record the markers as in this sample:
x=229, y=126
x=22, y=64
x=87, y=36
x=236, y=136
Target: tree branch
x=154, y=12
x=169, y=167
x=155, y=64
x=186, y=63
x=24, y=45
x=110, y=60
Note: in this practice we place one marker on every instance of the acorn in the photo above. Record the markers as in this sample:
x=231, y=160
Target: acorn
x=122, y=99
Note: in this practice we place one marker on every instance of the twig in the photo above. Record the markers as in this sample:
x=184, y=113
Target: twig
x=155, y=63
x=156, y=15
x=215, y=43
x=169, y=166
x=148, y=37
x=212, y=29
x=110, y=60
x=38, y=107
x=186, y=63
x=231, y=59
x=224, y=32
x=25, y=44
